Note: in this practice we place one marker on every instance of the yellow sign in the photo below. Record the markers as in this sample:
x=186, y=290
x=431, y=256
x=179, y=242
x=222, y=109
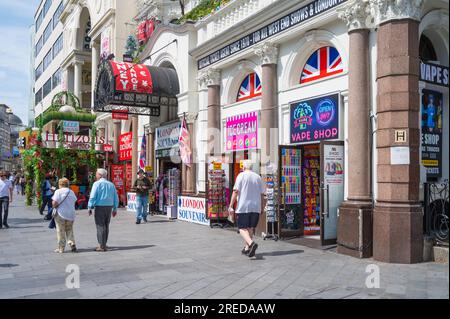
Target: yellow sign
x=241, y=164
x=148, y=168
x=430, y=163
x=217, y=166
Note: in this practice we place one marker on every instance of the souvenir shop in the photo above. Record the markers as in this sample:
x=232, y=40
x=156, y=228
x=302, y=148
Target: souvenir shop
x=311, y=170
x=168, y=161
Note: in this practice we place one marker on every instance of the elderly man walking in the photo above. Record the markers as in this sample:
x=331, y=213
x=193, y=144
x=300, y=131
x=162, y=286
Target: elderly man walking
x=248, y=191
x=105, y=201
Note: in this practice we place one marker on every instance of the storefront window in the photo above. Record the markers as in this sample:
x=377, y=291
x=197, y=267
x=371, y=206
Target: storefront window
x=323, y=63
x=250, y=87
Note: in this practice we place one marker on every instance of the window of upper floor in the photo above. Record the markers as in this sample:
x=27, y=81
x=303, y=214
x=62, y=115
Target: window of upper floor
x=250, y=87
x=57, y=14
x=323, y=63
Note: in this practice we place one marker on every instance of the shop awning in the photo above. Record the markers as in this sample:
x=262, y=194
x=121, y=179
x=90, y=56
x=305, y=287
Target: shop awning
x=135, y=88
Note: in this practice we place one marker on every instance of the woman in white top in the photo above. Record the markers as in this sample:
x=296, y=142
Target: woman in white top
x=64, y=202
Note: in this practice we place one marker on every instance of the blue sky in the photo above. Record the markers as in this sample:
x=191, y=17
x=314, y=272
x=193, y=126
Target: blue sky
x=16, y=17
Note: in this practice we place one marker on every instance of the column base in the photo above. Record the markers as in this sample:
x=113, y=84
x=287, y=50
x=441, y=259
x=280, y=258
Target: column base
x=354, y=233
x=398, y=233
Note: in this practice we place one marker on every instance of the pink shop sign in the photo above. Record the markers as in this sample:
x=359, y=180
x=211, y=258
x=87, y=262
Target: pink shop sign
x=242, y=132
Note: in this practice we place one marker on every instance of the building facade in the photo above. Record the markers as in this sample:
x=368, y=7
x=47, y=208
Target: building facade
x=10, y=125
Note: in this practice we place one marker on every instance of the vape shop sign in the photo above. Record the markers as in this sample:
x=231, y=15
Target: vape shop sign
x=315, y=119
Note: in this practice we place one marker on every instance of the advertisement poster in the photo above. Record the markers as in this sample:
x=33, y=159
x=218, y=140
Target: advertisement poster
x=117, y=179
x=242, y=132
x=105, y=44
x=128, y=176
x=334, y=163
x=315, y=119
x=131, y=202
x=431, y=129
x=125, y=146
x=192, y=209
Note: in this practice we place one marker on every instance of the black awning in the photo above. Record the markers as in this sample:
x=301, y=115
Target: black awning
x=135, y=88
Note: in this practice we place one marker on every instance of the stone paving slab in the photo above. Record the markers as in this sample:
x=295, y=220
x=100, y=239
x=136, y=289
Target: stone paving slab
x=179, y=260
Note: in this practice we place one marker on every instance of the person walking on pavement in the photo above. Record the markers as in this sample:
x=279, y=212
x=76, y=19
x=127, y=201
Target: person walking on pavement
x=6, y=196
x=47, y=193
x=142, y=186
x=248, y=192
x=105, y=201
x=63, y=201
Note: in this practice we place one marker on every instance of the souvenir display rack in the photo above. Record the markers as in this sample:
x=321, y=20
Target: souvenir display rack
x=272, y=204
x=217, y=204
x=174, y=186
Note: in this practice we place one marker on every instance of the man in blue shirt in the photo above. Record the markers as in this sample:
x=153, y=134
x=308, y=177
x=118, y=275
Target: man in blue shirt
x=47, y=194
x=105, y=201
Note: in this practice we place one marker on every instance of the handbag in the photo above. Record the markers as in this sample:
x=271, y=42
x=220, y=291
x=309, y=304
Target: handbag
x=52, y=224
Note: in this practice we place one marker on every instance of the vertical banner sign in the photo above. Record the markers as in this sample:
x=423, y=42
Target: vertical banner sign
x=315, y=119
x=185, y=144
x=125, y=146
x=118, y=180
x=143, y=152
x=128, y=177
x=431, y=127
x=105, y=44
x=242, y=132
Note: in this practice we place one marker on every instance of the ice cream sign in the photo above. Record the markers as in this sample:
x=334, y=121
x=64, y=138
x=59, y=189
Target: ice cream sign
x=315, y=119
x=242, y=132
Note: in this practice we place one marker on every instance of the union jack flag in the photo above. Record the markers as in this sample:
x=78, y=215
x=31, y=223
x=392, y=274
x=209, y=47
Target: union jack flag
x=323, y=63
x=250, y=87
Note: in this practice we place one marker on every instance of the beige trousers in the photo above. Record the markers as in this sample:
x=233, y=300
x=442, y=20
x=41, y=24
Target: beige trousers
x=64, y=230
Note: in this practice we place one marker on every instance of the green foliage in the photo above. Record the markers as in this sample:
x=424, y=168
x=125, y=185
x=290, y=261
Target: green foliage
x=204, y=8
x=55, y=115
x=131, y=46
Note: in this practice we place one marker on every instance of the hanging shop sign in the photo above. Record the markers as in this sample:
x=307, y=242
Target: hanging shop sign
x=145, y=30
x=120, y=115
x=135, y=88
x=315, y=119
x=431, y=127
x=295, y=18
x=71, y=126
x=117, y=178
x=125, y=146
x=242, y=132
x=167, y=138
x=192, y=209
x=434, y=74
x=107, y=147
x=71, y=141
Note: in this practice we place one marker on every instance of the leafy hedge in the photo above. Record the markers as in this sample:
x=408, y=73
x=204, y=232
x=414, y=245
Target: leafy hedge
x=55, y=115
x=204, y=8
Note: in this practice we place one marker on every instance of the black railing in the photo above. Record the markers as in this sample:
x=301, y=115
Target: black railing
x=436, y=207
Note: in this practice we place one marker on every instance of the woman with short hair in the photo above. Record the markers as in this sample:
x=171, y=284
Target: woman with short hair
x=64, y=203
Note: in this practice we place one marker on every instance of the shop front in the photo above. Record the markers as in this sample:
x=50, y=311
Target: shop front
x=311, y=170
x=168, y=168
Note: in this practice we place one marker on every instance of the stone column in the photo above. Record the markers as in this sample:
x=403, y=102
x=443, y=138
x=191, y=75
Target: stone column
x=189, y=173
x=268, y=53
x=135, y=154
x=78, y=66
x=268, y=143
x=116, y=132
x=211, y=78
x=398, y=232
x=95, y=61
x=354, y=226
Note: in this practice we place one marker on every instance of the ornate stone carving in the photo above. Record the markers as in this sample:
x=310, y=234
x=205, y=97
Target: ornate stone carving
x=356, y=15
x=385, y=10
x=190, y=117
x=209, y=77
x=267, y=52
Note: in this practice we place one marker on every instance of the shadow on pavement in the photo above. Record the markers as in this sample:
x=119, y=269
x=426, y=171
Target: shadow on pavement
x=8, y=265
x=84, y=250
x=26, y=220
x=281, y=253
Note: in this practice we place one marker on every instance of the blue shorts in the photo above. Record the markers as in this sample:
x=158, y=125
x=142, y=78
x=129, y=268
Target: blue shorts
x=247, y=220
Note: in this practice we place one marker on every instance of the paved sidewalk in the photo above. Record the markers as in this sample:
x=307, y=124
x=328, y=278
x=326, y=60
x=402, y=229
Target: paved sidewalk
x=175, y=259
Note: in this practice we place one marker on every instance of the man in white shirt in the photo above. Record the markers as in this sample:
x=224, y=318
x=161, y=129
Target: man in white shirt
x=248, y=191
x=6, y=195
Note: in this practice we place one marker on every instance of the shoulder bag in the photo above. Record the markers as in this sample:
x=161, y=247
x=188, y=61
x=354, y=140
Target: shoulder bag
x=55, y=212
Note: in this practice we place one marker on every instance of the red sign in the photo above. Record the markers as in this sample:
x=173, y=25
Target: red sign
x=132, y=77
x=120, y=115
x=118, y=181
x=125, y=146
x=107, y=147
x=128, y=176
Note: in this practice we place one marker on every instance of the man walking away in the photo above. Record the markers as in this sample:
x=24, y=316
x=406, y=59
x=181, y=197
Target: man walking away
x=105, y=201
x=142, y=186
x=47, y=194
x=6, y=195
x=248, y=191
